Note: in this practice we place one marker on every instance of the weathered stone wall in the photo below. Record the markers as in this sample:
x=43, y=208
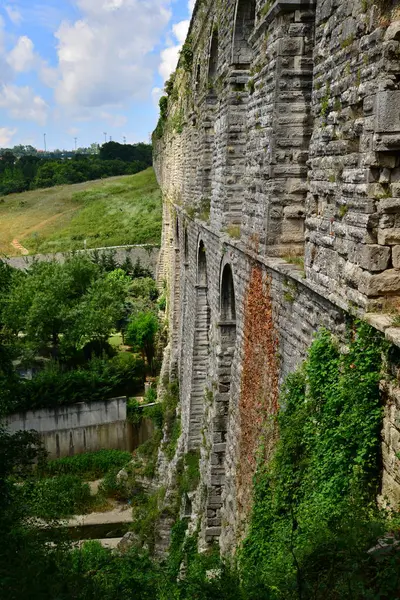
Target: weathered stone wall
x=279, y=145
x=146, y=255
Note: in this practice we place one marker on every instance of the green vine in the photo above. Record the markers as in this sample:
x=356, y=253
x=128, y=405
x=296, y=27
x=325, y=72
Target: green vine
x=314, y=516
x=187, y=54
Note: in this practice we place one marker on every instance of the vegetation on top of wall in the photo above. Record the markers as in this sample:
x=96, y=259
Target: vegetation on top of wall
x=187, y=54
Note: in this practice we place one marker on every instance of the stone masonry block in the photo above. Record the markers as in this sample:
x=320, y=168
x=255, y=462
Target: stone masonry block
x=387, y=111
x=381, y=284
x=396, y=257
x=389, y=205
x=389, y=237
x=373, y=257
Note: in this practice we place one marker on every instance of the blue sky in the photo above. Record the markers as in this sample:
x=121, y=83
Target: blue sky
x=79, y=68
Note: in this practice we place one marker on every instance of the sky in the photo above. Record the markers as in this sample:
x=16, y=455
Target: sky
x=82, y=68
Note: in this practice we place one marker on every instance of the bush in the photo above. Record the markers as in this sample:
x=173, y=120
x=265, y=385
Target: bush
x=112, y=487
x=100, y=380
x=141, y=334
x=57, y=497
x=90, y=465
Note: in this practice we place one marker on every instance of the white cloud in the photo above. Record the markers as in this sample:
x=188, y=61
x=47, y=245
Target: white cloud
x=5, y=69
x=22, y=103
x=180, y=30
x=170, y=55
x=13, y=14
x=6, y=135
x=113, y=119
x=156, y=94
x=191, y=4
x=22, y=57
x=105, y=57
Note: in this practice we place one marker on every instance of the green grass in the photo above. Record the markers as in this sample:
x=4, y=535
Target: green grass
x=115, y=340
x=90, y=465
x=112, y=212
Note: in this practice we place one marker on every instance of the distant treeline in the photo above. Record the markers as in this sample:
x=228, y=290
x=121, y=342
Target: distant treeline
x=31, y=171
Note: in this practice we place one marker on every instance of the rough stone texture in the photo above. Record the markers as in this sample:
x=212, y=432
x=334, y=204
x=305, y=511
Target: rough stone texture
x=281, y=141
x=146, y=254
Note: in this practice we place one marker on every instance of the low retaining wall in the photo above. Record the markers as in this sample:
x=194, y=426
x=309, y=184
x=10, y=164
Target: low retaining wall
x=69, y=430
x=148, y=256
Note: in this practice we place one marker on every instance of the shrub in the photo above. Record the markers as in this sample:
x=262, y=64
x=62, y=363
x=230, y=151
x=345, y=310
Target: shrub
x=115, y=488
x=57, y=497
x=100, y=380
x=89, y=465
x=141, y=334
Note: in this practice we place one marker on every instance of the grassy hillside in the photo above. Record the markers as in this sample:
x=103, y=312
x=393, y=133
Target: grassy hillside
x=112, y=212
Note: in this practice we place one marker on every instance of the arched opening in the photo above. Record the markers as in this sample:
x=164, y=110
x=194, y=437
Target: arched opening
x=202, y=265
x=213, y=61
x=176, y=299
x=200, y=356
x=244, y=25
x=186, y=248
x=197, y=82
x=177, y=233
x=228, y=307
x=222, y=400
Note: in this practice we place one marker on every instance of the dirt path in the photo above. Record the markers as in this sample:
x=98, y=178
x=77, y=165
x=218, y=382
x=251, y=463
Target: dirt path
x=47, y=221
x=119, y=514
x=15, y=244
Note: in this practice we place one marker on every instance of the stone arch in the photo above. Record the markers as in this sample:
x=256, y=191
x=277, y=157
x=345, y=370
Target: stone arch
x=244, y=24
x=213, y=58
x=222, y=400
x=201, y=350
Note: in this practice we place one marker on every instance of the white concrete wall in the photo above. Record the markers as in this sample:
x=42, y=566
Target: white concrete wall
x=69, y=430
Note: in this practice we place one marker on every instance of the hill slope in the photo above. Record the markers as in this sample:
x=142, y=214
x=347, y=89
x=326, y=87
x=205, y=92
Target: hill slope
x=111, y=212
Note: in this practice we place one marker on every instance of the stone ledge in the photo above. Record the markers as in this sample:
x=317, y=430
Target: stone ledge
x=381, y=322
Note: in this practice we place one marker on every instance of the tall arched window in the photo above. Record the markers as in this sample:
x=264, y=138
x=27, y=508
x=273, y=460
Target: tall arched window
x=177, y=232
x=222, y=402
x=213, y=62
x=198, y=74
x=200, y=357
x=202, y=265
x=244, y=25
x=228, y=307
x=186, y=247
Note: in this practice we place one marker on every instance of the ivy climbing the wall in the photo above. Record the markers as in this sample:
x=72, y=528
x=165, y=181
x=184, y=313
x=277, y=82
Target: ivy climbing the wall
x=315, y=516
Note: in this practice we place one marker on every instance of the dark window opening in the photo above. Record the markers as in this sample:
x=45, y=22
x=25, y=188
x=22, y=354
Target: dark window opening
x=202, y=266
x=213, y=63
x=244, y=26
x=228, y=305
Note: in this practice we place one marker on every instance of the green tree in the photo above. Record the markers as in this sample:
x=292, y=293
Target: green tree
x=99, y=310
x=141, y=334
x=69, y=304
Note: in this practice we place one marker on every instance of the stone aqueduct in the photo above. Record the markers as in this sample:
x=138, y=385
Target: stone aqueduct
x=280, y=142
